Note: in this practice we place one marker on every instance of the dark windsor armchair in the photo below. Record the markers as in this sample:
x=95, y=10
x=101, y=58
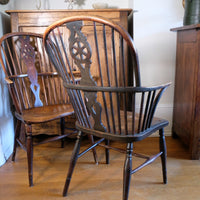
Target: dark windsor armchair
x=98, y=49
x=36, y=90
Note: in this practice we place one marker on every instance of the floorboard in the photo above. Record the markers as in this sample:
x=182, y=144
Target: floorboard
x=100, y=182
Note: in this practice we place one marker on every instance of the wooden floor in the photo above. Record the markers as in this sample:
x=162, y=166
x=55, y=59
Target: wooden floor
x=100, y=182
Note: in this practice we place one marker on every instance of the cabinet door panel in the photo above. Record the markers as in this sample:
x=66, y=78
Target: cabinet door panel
x=185, y=86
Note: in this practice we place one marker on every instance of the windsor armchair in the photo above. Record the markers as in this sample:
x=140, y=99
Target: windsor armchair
x=36, y=90
x=98, y=48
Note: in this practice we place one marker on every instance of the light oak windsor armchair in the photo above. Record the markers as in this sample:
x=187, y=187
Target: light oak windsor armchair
x=36, y=90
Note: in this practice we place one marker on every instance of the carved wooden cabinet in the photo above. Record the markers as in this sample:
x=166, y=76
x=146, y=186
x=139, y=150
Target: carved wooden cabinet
x=186, y=115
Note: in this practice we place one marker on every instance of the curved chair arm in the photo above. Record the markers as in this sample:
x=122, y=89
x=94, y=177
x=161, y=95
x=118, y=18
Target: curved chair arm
x=8, y=81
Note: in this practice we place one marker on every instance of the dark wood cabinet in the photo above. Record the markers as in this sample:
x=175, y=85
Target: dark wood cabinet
x=186, y=114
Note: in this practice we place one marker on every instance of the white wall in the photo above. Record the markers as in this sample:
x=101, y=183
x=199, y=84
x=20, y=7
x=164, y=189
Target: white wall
x=60, y=4
x=9, y=6
x=156, y=46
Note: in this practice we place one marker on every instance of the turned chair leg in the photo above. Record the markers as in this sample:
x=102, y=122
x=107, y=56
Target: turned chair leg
x=73, y=161
x=30, y=153
x=62, y=127
x=164, y=154
x=17, y=134
x=127, y=171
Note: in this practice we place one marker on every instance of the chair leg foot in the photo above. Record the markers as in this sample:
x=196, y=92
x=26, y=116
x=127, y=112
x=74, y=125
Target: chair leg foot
x=73, y=161
x=127, y=171
x=164, y=155
x=31, y=180
x=30, y=154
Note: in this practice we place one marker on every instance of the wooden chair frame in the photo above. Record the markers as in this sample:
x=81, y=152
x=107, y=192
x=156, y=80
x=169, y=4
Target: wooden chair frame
x=100, y=99
x=36, y=91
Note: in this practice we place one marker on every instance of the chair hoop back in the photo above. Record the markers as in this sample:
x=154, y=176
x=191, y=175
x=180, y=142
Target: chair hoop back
x=101, y=58
x=30, y=76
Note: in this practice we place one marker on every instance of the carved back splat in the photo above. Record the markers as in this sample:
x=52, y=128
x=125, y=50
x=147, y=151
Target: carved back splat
x=28, y=57
x=81, y=53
